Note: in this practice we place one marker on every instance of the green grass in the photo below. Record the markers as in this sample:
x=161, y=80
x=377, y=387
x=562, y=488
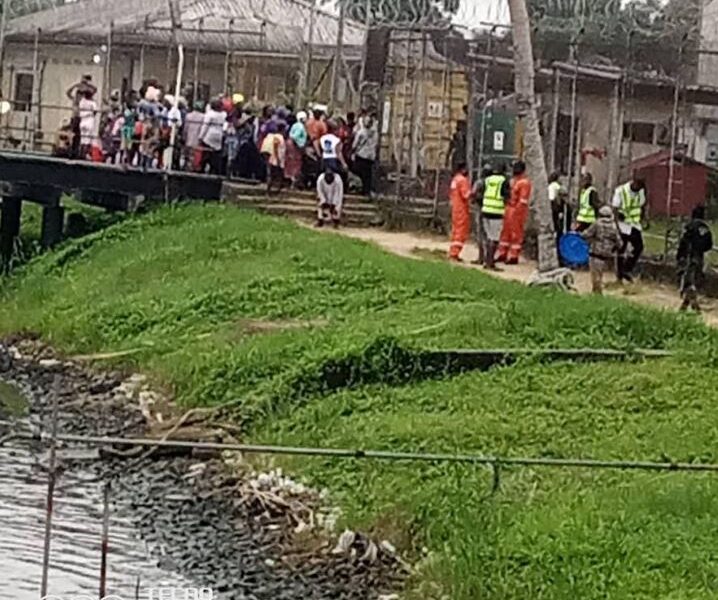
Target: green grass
x=28, y=245
x=226, y=305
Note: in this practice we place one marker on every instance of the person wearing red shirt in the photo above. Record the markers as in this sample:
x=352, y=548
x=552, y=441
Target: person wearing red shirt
x=459, y=197
x=515, y=217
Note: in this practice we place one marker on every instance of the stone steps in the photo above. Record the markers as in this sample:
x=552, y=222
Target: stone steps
x=298, y=204
x=309, y=213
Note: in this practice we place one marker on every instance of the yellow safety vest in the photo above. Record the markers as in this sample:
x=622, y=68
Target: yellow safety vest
x=586, y=212
x=493, y=203
x=631, y=204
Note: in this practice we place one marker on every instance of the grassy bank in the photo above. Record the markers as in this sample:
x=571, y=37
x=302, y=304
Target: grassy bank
x=86, y=218
x=222, y=305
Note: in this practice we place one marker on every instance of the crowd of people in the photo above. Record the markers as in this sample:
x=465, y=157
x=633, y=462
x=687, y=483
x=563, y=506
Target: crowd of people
x=612, y=230
x=228, y=136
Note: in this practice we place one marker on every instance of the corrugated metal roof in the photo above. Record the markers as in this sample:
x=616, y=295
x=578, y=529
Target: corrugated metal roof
x=277, y=26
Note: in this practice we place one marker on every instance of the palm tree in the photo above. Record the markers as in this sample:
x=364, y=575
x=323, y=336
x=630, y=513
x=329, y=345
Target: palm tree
x=570, y=9
x=526, y=100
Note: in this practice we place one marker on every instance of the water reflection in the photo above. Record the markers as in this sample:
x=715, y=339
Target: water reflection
x=76, y=539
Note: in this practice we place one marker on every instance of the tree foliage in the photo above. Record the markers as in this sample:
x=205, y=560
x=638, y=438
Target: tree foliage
x=19, y=8
x=645, y=34
x=400, y=13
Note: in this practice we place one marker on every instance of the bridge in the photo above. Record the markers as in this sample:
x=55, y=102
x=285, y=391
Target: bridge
x=42, y=179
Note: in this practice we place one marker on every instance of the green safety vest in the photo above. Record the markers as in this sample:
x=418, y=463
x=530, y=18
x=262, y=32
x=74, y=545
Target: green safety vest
x=586, y=212
x=631, y=204
x=493, y=203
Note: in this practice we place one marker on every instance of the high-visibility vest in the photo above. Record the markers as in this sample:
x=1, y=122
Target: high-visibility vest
x=631, y=203
x=586, y=212
x=493, y=203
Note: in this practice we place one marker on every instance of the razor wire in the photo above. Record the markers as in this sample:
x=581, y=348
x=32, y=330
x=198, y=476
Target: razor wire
x=421, y=14
x=20, y=8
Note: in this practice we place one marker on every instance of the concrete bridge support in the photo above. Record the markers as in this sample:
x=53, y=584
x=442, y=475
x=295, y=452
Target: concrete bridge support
x=9, y=227
x=53, y=220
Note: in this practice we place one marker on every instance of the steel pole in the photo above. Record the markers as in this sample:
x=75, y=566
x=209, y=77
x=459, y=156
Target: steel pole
x=3, y=26
x=338, y=58
x=50, y=491
x=105, y=539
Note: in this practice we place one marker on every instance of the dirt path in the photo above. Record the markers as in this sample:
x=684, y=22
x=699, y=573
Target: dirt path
x=425, y=245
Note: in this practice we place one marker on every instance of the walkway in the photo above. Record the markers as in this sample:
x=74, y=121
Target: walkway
x=432, y=247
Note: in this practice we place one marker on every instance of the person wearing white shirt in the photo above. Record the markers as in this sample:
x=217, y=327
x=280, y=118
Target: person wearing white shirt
x=330, y=196
x=559, y=208
x=331, y=147
x=629, y=205
x=211, y=136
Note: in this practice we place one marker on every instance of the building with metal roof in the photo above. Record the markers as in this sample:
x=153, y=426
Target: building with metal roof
x=271, y=26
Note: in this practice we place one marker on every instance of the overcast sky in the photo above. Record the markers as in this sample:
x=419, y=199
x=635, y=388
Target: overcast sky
x=473, y=12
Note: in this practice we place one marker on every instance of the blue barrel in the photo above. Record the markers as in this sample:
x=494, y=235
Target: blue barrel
x=573, y=249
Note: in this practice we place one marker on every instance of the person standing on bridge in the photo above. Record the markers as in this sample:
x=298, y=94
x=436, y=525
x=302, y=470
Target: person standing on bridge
x=459, y=198
x=76, y=93
x=296, y=143
x=87, y=110
x=276, y=160
x=211, y=137
x=190, y=136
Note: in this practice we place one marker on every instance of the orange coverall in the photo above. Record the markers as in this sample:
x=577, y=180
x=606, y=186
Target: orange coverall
x=459, y=196
x=517, y=212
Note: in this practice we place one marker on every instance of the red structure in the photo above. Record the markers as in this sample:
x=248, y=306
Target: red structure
x=690, y=183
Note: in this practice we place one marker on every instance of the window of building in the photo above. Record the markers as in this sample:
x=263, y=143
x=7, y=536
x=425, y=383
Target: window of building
x=23, y=91
x=639, y=132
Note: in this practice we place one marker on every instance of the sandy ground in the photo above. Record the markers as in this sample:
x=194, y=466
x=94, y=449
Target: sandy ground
x=426, y=246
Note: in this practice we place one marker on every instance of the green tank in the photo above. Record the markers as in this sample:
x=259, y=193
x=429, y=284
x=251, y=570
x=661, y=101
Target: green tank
x=501, y=138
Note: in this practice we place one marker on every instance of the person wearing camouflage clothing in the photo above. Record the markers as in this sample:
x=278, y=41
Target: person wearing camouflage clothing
x=696, y=240
x=604, y=240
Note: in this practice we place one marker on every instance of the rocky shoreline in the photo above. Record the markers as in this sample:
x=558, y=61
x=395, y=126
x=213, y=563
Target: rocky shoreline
x=209, y=518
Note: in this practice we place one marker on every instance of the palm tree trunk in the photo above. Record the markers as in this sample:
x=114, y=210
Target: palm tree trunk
x=526, y=101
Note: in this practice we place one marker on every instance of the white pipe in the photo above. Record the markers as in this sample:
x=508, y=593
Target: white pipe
x=169, y=153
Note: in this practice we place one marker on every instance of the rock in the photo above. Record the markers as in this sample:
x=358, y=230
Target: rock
x=103, y=386
x=345, y=542
x=78, y=454
x=371, y=554
x=388, y=547
x=200, y=517
x=6, y=359
x=49, y=363
x=301, y=528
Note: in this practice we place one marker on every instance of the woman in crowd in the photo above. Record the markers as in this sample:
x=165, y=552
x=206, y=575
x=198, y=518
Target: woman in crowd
x=296, y=143
x=87, y=109
x=276, y=159
x=211, y=137
x=149, y=129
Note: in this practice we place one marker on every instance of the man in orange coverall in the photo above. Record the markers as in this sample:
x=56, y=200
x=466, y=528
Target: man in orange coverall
x=517, y=212
x=459, y=196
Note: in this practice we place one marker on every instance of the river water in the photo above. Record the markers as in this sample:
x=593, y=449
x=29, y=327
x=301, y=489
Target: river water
x=76, y=532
